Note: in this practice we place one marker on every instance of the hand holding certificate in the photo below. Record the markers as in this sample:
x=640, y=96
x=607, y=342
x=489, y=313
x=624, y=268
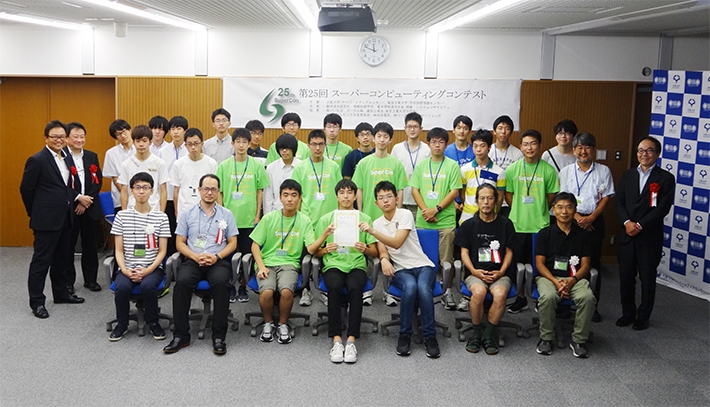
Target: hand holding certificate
x=346, y=227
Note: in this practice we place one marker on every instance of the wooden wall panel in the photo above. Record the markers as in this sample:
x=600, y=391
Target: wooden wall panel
x=26, y=105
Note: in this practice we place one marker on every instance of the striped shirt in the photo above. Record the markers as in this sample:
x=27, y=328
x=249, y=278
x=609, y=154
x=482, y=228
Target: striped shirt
x=132, y=226
x=474, y=176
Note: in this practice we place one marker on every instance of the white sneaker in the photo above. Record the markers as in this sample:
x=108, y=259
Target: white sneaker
x=390, y=301
x=337, y=352
x=462, y=305
x=448, y=301
x=350, y=353
x=324, y=298
x=267, y=334
x=284, y=335
x=306, y=298
x=367, y=298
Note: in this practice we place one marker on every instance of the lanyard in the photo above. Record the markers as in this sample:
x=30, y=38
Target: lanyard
x=458, y=157
x=525, y=171
x=209, y=223
x=416, y=158
x=177, y=152
x=334, y=152
x=283, y=238
x=579, y=187
x=495, y=152
x=239, y=181
x=431, y=174
x=318, y=180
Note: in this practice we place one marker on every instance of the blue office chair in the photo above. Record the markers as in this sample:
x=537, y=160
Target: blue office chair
x=107, y=206
x=250, y=275
x=429, y=240
x=138, y=314
x=459, y=282
x=531, y=290
x=322, y=317
x=202, y=290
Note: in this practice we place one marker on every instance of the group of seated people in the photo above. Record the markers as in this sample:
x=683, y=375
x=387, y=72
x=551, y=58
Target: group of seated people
x=485, y=198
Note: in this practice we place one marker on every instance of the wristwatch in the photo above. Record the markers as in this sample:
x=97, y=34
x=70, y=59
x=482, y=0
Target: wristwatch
x=439, y=208
x=218, y=257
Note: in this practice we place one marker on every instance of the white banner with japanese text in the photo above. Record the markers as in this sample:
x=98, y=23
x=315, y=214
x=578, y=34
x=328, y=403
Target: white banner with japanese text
x=370, y=100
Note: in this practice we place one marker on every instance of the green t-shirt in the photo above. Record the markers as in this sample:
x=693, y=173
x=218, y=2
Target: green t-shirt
x=529, y=210
x=353, y=259
x=302, y=152
x=250, y=176
x=448, y=178
x=269, y=235
x=371, y=170
x=328, y=174
x=337, y=152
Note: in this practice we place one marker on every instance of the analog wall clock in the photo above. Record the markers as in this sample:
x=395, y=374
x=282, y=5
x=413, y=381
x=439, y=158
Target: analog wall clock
x=374, y=50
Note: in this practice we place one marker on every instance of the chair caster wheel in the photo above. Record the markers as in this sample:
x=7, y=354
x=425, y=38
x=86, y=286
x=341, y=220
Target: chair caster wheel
x=385, y=331
x=252, y=332
x=201, y=335
x=462, y=337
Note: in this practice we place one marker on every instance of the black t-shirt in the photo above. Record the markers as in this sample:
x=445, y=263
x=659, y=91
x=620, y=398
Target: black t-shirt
x=260, y=153
x=350, y=161
x=559, y=247
x=475, y=234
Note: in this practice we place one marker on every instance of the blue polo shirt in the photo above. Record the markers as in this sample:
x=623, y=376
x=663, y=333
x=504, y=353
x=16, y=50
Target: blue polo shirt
x=194, y=223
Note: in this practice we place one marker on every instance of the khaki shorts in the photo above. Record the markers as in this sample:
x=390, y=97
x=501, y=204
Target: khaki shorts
x=446, y=245
x=503, y=281
x=279, y=277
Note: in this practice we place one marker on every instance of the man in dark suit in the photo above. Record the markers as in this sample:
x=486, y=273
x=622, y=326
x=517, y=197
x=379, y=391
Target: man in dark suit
x=48, y=196
x=643, y=199
x=87, y=208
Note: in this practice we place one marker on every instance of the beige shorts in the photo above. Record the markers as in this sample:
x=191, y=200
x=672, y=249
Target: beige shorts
x=503, y=281
x=279, y=277
x=446, y=245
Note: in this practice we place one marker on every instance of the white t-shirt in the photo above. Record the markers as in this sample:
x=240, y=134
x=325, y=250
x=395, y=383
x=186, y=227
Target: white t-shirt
x=115, y=156
x=154, y=166
x=410, y=254
x=186, y=175
x=505, y=157
x=169, y=155
x=410, y=159
x=557, y=159
x=218, y=149
x=277, y=172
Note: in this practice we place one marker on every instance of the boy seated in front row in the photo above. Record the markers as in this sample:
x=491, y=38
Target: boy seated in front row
x=278, y=241
x=402, y=256
x=345, y=267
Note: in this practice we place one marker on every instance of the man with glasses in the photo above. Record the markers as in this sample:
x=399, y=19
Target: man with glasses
x=256, y=129
x=364, y=135
x=644, y=197
x=562, y=155
x=592, y=185
x=334, y=150
x=206, y=238
x=219, y=147
x=410, y=152
x=187, y=171
x=290, y=124
x=48, y=196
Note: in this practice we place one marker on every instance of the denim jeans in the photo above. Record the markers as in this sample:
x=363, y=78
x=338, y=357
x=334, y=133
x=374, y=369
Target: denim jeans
x=149, y=289
x=417, y=285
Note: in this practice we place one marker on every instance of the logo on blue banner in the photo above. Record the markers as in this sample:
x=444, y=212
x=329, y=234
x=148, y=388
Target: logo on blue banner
x=677, y=263
x=696, y=245
x=693, y=80
x=706, y=274
x=667, y=230
x=705, y=106
x=689, y=130
x=657, y=123
x=685, y=173
x=674, y=105
x=660, y=80
x=670, y=148
x=701, y=198
x=703, y=153
x=681, y=218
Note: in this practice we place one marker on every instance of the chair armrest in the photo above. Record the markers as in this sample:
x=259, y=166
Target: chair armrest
x=593, y=278
x=376, y=270
x=458, y=274
x=170, y=268
x=247, y=266
x=446, y=271
x=108, y=266
x=305, y=270
x=520, y=278
x=316, y=267
x=236, y=267
x=528, y=280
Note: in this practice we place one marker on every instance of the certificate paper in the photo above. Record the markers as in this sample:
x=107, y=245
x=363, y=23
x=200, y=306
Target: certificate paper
x=346, y=227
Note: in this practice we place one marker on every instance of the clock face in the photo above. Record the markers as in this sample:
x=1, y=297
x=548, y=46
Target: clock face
x=374, y=50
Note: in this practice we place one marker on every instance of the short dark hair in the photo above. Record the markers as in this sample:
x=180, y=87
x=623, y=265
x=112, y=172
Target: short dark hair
x=345, y=183
x=565, y=196
x=333, y=118
x=209, y=176
x=584, y=139
x=290, y=117
x=486, y=185
x=484, y=135
x=141, y=131
x=385, y=186
x=413, y=116
x=223, y=111
x=254, y=125
x=159, y=122
x=531, y=133
x=179, y=121
x=75, y=125
x=505, y=120
x=566, y=126
x=241, y=132
x=290, y=184
x=193, y=131
x=362, y=127
x=54, y=124
x=438, y=133
x=116, y=125
x=141, y=176
x=656, y=143
x=287, y=141
x=463, y=119
x=383, y=126
x=317, y=133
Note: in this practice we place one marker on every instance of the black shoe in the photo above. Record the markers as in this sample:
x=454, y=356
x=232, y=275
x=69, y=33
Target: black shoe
x=93, y=286
x=232, y=295
x=640, y=325
x=157, y=331
x=40, y=312
x=218, y=346
x=117, y=333
x=72, y=299
x=520, y=304
x=404, y=344
x=544, y=347
x=597, y=316
x=625, y=321
x=176, y=344
x=432, y=347
x=70, y=289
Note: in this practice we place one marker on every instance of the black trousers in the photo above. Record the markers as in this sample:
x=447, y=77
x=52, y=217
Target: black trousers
x=595, y=239
x=638, y=257
x=355, y=282
x=52, y=254
x=170, y=211
x=88, y=228
x=188, y=275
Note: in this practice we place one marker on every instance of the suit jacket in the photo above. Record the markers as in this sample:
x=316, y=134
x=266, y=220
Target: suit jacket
x=47, y=197
x=91, y=187
x=636, y=207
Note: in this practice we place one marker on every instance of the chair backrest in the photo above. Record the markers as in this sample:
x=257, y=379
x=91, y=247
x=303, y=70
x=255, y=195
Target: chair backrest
x=429, y=240
x=106, y=203
x=532, y=255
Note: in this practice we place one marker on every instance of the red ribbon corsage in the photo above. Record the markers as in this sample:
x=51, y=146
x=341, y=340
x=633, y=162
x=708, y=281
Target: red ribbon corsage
x=654, y=188
x=73, y=173
x=93, y=169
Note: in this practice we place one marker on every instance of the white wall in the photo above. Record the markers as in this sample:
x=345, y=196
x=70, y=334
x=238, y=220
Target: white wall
x=34, y=50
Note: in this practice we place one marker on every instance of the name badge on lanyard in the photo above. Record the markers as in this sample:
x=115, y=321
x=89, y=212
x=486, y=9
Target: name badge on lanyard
x=201, y=241
x=432, y=195
x=528, y=200
x=319, y=196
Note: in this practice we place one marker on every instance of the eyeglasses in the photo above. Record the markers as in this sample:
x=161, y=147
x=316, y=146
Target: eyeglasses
x=530, y=144
x=292, y=124
x=56, y=137
x=365, y=133
x=193, y=143
x=256, y=133
x=221, y=121
x=316, y=144
x=642, y=151
x=212, y=190
x=412, y=127
x=142, y=187
x=385, y=197
x=332, y=126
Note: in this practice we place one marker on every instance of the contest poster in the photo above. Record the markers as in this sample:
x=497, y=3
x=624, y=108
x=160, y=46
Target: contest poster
x=680, y=119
